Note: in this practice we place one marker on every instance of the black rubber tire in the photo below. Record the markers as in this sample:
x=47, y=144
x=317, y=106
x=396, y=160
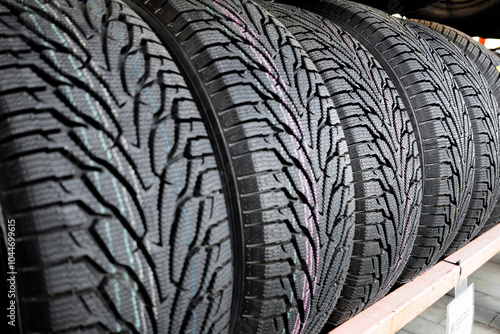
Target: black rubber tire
x=236, y=188
x=483, y=111
x=489, y=66
x=286, y=150
x=474, y=17
x=494, y=219
x=108, y=170
x=397, y=6
x=383, y=149
x=389, y=6
x=243, y=152
x=437, y=109
x=485, y=60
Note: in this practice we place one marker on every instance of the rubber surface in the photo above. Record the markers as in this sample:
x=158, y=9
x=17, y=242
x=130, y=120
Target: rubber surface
x=484, y=59
x=489, y=66
x=109, y=172
x=436, y=107
x=483, y=110
x=397, y=6
x=288, y=153
x=389, y=6
x=383, y=149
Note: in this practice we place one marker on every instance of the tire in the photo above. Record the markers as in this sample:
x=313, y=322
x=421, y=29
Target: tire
x=249, y=185
x=436, y=108
x=286, y=153
x=397, y=6
x=484, y=59
x=493, y=221
x=483, y=111
x=489, y=66
x=108, y=170
x=389, y=6
x=387, y=178
x=474, y=17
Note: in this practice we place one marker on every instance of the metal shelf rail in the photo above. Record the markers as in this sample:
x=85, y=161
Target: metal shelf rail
x=398, y=308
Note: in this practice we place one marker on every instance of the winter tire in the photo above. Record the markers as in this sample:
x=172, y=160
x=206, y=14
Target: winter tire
x=483, y=111
x=489, y=66
x=168, y=183
x=384, y=153
x=435, y=106
x=108, y=169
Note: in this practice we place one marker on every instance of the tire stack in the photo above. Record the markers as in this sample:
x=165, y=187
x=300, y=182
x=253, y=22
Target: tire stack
x=237, y=166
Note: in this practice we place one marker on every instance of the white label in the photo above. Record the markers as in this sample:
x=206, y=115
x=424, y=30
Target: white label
x=460, y=313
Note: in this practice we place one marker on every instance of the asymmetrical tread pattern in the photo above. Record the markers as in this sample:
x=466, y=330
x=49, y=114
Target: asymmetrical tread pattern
x=489, y=66
x=483, y=111
x=384, y=154
x=108, y=169
x=285, y=148
x=438, y=111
